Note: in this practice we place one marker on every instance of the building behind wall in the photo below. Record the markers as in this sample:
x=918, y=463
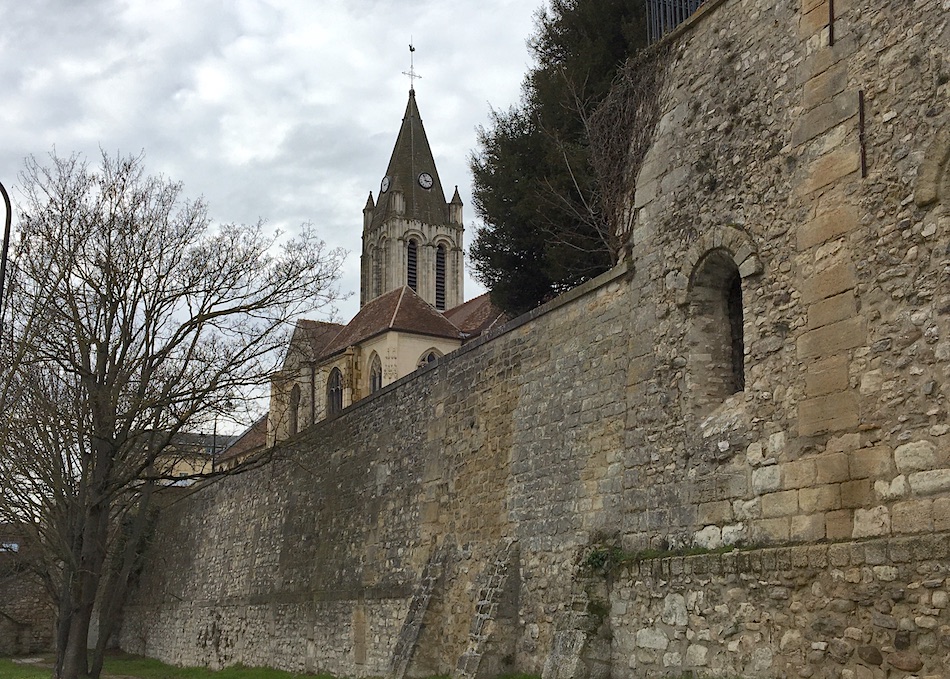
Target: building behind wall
x=765, y=383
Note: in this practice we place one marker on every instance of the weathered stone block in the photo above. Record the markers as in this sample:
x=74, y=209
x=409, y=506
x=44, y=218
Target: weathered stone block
x=799, y=474
x=808, y=528
x=766, y=479
x=833, y=412
x=915, y=516
x=783, y=503
x=825, y=116
x=871, y=463
x=832, y=339
x=915, y=456
x=820, y=499
x=826, y=85
x=832, y=167
x=930, y=482
x=872, y=522
x=832, y=468
x=855, y=493
x=771, y=530
x=832, y=309
x=833, y=280
x=827, y=376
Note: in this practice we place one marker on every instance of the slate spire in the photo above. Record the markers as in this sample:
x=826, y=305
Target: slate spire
x=412, y=173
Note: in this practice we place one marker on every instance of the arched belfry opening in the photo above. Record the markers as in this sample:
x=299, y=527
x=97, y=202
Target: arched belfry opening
x=335, y=392
x=716, y=336
x=412, y=264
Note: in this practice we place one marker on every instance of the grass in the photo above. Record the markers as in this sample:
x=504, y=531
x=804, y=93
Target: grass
x=122, y=665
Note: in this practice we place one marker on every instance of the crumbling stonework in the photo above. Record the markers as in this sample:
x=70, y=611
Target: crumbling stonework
x=795, y=206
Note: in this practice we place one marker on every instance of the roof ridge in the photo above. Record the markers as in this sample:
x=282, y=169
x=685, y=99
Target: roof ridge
x=402, y=292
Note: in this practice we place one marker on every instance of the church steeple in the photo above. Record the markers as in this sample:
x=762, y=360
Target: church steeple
x=411, y=235
x=412, y=173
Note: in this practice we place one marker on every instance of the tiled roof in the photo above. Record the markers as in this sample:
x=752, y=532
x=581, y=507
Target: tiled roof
x=310, y=340
x=476, y=316
x=401, y=310
x=254, y=437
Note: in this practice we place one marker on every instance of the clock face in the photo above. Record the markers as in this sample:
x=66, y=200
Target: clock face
x=425, y=180
x=384, y=185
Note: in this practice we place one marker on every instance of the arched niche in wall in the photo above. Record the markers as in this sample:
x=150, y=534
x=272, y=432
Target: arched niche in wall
x=713, y=296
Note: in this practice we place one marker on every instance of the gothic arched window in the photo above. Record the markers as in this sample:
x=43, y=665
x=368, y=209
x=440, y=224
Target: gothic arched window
x=375, y=374
x=428, y=357
x=717, y=362
x=335, y=392
x=440, y=277
x=412, y=264
x=293, y=410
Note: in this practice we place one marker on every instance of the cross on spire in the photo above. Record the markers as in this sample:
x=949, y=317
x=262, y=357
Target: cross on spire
x=413, y=76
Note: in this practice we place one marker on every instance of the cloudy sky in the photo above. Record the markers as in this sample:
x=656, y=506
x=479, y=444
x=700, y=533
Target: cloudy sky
x=285, y=110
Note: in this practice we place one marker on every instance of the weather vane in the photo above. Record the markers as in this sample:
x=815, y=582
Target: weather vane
x=413, y=76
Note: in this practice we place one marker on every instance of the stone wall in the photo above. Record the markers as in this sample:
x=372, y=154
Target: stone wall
x=444, y=525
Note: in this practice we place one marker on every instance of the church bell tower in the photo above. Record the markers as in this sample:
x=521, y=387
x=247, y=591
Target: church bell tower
x=411, y=235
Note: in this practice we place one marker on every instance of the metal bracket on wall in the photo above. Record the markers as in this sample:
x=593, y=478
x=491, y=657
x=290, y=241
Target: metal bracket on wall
x=861, y=136
x=831, y=23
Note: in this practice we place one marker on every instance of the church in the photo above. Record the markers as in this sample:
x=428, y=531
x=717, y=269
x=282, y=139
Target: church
x=411, y=297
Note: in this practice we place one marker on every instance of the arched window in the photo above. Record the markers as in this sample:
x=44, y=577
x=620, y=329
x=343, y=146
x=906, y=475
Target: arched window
x=412, y=264
x=379, y=264
x=335, y=392
x=428, y=357
x=440, y=277
x=293, y=410
x=717, y=348
x=375, y=374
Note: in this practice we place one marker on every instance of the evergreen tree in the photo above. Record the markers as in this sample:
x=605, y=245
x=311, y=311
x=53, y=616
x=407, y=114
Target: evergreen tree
x=544, y=229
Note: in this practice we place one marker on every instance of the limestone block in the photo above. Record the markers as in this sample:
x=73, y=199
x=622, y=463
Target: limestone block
x=832, y=468
x=709, y=537
x=871, y=462
x=915, y=516
x=839, y=524
x=733, y=534
x=826, y=85
x=941, y=512
x=808, y=528
x=771, y=530
x=652, y=638
x=834, y=279
x=765, y=479
x=833, y=412
x=833, y=339
x=697, y=655
x=930, y=482
x=872, y=522
x=832, y=309
x=915, y=456
x=893, y=490
x=824, y=116
x=820, y=499
x=674, y=610
x=831, y=167
x=856, y=493
x=783, y=503
x=799, y=474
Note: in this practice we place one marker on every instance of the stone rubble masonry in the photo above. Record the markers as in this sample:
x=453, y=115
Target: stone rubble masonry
x=590, y=421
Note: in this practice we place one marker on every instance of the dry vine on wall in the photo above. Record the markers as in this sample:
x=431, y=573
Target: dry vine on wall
x=620, y=132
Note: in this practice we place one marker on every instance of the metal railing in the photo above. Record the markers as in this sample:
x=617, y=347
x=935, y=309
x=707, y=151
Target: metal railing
x=665, y=15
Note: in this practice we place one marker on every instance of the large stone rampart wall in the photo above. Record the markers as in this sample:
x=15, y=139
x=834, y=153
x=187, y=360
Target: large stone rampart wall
x=443, y=524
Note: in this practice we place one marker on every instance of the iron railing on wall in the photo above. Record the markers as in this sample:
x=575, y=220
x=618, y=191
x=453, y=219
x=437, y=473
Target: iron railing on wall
x=665, y=15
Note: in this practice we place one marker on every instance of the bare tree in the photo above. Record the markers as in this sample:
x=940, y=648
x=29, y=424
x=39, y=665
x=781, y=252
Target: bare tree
x=130, y=319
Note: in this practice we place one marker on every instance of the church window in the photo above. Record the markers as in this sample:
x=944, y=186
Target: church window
x=717, y=349
x=292, y=411
x=412, y=263
x=375, y=374
x=335, y=392
x=440, y=278
x=429, y=357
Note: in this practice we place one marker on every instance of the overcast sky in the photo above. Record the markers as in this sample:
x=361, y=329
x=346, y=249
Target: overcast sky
x=282, y=110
